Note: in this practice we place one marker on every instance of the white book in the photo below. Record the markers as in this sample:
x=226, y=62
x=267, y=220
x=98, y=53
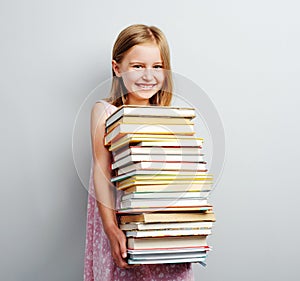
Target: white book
x=145, y=203
x=162, y=158
x=167, y=232
x=174, y=142
x=201, y=260
x=156, y=140
x=171, y=225
x=156, y=150
x=162, y=195
x=182, y=187
x=201, y=249
x=171, y=242
x=160, y=166
x=164, y=209
x=171, y=255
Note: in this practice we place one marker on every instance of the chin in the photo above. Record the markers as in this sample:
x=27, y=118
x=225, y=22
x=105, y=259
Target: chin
x=144, y=94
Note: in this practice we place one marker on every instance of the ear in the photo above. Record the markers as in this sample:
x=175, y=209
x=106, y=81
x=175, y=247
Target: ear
x=116, y=68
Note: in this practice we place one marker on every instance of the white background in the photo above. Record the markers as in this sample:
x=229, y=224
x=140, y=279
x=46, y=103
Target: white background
x=243, y=54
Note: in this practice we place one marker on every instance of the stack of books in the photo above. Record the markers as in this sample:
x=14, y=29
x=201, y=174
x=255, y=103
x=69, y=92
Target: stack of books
x=158, y=164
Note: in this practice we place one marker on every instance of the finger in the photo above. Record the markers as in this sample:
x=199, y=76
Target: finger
x=123, y=248
x=123, y=264
x=119, y=261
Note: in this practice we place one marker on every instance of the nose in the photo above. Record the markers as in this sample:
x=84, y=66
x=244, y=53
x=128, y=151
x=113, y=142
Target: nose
x=147, y=74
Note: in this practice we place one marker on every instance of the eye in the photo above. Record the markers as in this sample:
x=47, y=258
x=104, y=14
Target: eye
x=158, y=66
x=138, y=66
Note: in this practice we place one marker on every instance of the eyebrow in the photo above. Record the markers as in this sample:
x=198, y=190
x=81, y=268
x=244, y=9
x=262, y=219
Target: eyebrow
x=138, y=62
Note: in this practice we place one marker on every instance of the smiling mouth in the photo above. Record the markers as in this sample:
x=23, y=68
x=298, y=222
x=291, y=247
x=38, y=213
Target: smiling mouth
x=146, y=86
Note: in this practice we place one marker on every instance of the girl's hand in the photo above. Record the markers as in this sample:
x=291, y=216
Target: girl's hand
x=118, y=247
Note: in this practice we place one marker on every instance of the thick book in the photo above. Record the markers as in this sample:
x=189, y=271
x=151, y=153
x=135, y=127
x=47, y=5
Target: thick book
x=149, y=120
x=167, y=232
x=168, y=217
x=168, y=254
x=200, y=187
x=167, y=195
x=147, y=111
x=162, y=158
x=123, y=129
x=171, y=242
x=156, y=150
x=159, y=203
x=161, y=225
x=156, y=140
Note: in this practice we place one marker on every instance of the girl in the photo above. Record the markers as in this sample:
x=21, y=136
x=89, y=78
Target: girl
x=140, y=58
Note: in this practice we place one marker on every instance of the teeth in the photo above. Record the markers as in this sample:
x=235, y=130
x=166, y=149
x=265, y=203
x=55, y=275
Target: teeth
x=146, y=87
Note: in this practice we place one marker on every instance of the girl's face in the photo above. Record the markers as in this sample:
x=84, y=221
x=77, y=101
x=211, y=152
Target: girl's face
x=142, y=72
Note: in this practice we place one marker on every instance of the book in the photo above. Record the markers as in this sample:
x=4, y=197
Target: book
x=158, y=165
x=168, y=217
x=164, y=209
x=185, y=187
x=160, y=174
x=162, y=167
x=159, y=261
x=146, y=111
x=167, y=232
x=155, y=150
x=150, y=120
x=173, y=251
x=167, y=176
x=123, y=129
x=158, y=203
x=175, y=185
x=160, y=179
x=161, y=225
x=162, y=158
x=156, y=140
x=171, y=255
x=162, y=195
x=171, y=242
x=175, y=142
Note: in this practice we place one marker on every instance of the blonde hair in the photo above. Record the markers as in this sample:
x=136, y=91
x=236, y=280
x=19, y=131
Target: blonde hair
x=129, y=37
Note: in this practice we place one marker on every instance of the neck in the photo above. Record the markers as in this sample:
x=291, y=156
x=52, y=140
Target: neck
x=134, y=101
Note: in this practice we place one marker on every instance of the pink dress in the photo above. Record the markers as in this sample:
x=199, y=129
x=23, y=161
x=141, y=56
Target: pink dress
x=98, y=263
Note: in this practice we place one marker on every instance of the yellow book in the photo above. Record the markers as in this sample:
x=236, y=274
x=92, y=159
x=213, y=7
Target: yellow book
x=164, y=181
x=149, y=120
x=150, y=111
x=168, y=217
x=160, y=174
x=157, y=129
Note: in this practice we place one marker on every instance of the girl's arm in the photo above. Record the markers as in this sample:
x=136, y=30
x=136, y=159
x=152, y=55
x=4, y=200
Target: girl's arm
x=104, y=189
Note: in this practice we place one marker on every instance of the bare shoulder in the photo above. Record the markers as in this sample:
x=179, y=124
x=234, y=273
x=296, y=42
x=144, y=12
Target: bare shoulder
x=98, y=112
x=98, y=107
